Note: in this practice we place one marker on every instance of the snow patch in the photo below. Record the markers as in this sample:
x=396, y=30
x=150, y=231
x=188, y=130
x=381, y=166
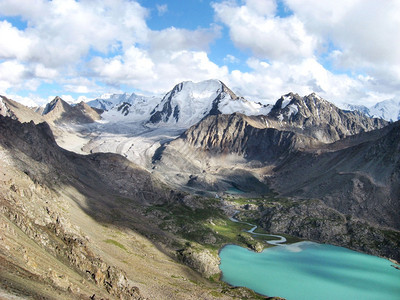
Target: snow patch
x=286, y=101
x=293, y=110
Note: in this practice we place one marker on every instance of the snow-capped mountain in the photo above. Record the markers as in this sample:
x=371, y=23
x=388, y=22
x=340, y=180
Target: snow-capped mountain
x=108, y=101
x=388, y=110
x=187, y=103
x=134, y=108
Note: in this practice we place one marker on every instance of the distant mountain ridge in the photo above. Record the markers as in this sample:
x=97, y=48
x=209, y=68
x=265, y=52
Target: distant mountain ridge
x=188, y=103
x=388, y=110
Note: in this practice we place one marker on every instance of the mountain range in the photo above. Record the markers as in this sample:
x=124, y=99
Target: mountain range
x=151, y=182
x=388, y=110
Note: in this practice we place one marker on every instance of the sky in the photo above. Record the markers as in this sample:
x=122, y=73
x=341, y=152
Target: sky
x=346, y=51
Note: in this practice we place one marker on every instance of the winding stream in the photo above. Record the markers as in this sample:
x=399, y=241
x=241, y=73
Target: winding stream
x=254, y=227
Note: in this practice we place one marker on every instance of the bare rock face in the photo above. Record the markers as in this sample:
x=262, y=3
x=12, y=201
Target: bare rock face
x=244, y=136
x=315, y=117
x=200, y=260
x=294, y=123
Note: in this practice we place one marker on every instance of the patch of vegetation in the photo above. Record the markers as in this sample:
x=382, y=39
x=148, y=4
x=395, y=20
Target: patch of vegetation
x=115, y=243
x=216, y=294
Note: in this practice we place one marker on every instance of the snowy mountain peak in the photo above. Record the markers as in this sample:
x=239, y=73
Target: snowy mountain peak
x=388, y=110
x=188, y=102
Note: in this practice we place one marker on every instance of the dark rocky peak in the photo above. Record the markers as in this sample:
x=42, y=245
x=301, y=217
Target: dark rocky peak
x=59, y=111
x=245, y=136
x=56, y=102
x=124, y=108
x=286, y=106
x=318, y=118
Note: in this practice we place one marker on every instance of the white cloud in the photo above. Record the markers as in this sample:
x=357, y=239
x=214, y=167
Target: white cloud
x=134, y=65
x=364, y=34
x=231, y=59
x=162, y=9
x=71, y=29
x=176, y=39
x=269, y=81
x=268, y=37
x=265, y=7
x=356, y=36
x=14, y=42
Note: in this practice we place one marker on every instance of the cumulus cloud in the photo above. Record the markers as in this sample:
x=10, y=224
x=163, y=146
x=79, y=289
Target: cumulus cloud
x=231, y=59
x=358, y=40
x=108, y=41
x=71, y=29
x=254, y=26
x=267, y=81
x=176, y=39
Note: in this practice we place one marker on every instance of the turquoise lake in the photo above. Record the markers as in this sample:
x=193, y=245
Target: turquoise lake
x=310, y=271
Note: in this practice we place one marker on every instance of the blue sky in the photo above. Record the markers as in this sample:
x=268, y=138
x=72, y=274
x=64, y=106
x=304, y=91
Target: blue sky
x=347, y=51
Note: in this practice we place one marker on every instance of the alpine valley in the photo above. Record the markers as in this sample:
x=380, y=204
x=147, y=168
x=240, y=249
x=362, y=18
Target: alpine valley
x=132, y=197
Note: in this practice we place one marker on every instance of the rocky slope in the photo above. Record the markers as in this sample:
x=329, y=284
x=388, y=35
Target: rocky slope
x=17, y=111
x=360, y=178
x=305, y=148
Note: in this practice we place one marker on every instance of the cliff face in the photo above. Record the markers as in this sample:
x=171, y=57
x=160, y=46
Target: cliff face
x=39, y=238
x=244, y=136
